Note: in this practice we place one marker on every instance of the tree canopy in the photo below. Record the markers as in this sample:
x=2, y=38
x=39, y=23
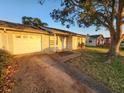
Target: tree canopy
x=89, y=12
x=99, y=13
x=34, y=22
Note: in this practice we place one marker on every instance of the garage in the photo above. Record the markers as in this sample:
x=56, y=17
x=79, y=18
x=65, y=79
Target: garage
x=26, y=43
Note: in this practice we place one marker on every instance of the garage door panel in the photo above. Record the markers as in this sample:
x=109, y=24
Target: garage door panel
x=26, y=44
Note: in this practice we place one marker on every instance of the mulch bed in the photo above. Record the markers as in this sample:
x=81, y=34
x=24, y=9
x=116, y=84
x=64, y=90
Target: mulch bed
x=8, y=81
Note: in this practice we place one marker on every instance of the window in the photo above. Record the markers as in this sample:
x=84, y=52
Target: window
x=122, y=42
x=18, y=36
x=90, y=41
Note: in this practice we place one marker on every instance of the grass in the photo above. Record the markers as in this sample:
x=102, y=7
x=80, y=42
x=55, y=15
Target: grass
x=92, y=62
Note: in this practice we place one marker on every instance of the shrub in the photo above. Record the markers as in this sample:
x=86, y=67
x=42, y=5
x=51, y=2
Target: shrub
x=122, y=48
x=81, y=45
x=5, y=60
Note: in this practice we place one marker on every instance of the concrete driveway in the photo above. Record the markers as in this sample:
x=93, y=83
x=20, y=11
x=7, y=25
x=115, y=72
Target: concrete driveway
x=40, y=74
x=48, y=74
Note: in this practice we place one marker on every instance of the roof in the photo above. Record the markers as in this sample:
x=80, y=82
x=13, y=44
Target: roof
x=60, y=31
x=21, y=27
x=96, y=36
x=24, y=28
x=107, y=37
x=12, y=25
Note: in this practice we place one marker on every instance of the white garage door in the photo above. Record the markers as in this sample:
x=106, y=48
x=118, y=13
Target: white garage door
x=26, y=44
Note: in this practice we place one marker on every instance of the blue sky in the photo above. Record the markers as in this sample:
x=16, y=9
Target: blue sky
x=13, y=10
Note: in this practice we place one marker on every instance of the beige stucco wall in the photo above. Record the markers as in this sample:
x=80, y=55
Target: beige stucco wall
x=65, y=40
x=9, y=43
x=5, y=41
x=74, y=42
x=45, y=43
x=84, y=40
x=69, y=42
x=61, y=43
x=1, y=43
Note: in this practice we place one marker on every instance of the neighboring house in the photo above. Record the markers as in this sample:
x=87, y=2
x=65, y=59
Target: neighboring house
x=122, y=43
x=20, y=39
x=107, y=42
x=95, y=40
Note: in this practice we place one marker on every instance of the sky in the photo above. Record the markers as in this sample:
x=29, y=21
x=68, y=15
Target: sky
x=13, y=10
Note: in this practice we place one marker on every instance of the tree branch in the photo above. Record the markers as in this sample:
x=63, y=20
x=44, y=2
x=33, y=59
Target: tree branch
x=103, y=23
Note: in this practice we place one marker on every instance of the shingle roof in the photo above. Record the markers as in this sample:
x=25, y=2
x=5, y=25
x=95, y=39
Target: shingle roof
x=107, y=37
x=13, y=25
x=36, y=30
x=95, y=36
x=60, y=31
x=21, y=27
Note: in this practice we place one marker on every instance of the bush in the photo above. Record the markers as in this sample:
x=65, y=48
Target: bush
x=122, y=48
x=81, y=45
x=5, y=60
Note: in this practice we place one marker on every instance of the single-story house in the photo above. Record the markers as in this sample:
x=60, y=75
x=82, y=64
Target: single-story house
x=66, y=40
x=107, y=41
x=122, y=44
x=21, y=39
x=95, y=40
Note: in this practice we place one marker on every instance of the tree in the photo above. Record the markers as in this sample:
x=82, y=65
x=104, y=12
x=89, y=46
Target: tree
x=99, y=13
x=34, y=22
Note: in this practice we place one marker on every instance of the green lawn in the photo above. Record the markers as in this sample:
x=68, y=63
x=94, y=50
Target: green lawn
x=92, y=62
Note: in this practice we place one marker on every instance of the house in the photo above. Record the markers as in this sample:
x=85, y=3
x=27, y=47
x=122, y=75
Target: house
x=95, y=40
x=122, y=42
x=21, y=39
x=66, y=40
x=107, y=41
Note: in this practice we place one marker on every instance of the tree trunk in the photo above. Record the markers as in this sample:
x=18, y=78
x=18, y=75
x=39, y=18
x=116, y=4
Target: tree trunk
x=114, y=46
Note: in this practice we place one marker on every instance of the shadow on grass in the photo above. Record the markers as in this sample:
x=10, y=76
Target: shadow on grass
x=92, y=62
